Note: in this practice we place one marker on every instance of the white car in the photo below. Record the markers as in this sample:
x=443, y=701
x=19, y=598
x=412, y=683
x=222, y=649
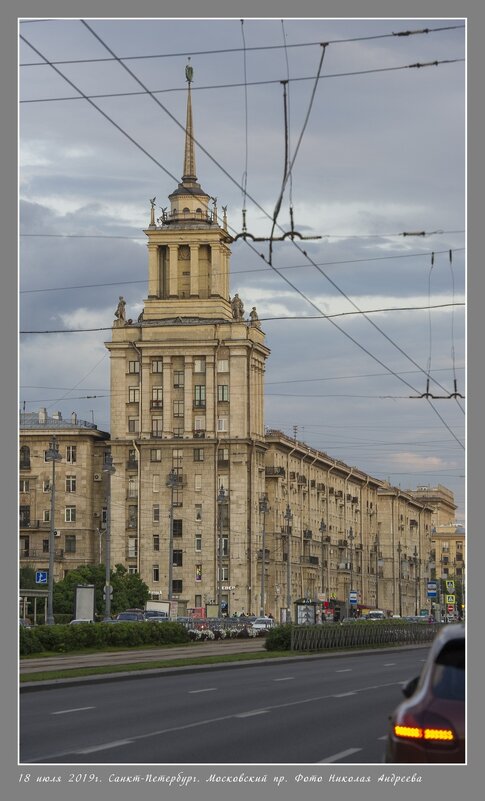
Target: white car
x=261, y=623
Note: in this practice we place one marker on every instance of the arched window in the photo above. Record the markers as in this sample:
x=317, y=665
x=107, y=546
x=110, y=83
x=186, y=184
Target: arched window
x=24, y=456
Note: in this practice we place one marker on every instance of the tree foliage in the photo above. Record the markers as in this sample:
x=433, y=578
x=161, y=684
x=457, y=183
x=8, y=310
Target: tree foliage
x=27, y=578
x=129, y=590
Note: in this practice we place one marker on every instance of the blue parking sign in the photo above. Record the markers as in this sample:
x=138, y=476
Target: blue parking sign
x=41, y=577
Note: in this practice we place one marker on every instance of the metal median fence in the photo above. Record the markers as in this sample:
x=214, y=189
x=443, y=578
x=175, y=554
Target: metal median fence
x=361, y=635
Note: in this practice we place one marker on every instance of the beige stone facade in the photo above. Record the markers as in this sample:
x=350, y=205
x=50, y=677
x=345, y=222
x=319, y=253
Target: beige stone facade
x=80, y=492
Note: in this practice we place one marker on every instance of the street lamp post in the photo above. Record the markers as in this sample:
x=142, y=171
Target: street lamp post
x=377, y=570
x=416, y=579
x=351, y=539
x=399, y=549
x=288, y=516
x=172, y=481
x=52, y=455
x=263, y=509
x=221, y=499
x=322, y=529
x=109, y=469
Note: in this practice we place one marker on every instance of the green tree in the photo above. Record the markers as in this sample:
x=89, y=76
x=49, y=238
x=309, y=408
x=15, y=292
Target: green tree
x=27, y=578
x=128, y=589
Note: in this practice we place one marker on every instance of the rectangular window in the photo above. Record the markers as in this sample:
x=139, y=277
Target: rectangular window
x=104, y=516
x=198, y=601
x=177, y=456
x=132, y=571
x=177, y=528
x=198, y=482
x=198, y=511
x=132, y=457
x=133, y=425
x=178, y=433
x=177, y=559
x=157, y=397
x=70, y=514
x=198, y=542
x=156, y=513
x=198, y=572
x=155, y=483
x=133, y=367
x=71, y=454
x=198, y=454
x=155, y=455
x=25, y=516
x=178, y=408
x=132, y=547
x=199, y=426
x=223, y=393
x=132, y=488
x=178, y=379
x=46, y=516
x=70, y=543
x=177, y=585
x=133, y=394
x=224, y=573
x=225, y=545
x=45, y=546
x=223, y=456
x=199, y=396
x=178, y=499
x=70, y=483
x=46, y=486
x=155, y=573
x=24, y=485
x=223, y=366
x=156, y=542
x=157, y=426
x=132, y=516
x=157, y=366
x=222, y=424
x=199, y=365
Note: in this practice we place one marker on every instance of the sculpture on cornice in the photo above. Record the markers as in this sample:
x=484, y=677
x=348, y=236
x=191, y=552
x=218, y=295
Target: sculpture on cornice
x=120, y=312
x=237, y=307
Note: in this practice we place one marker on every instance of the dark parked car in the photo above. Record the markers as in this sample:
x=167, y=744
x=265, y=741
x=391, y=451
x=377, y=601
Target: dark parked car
x=430, y=725
x=131, y=616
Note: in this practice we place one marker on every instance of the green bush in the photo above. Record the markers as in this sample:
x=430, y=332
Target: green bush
x=279, y=638
x=62, y=639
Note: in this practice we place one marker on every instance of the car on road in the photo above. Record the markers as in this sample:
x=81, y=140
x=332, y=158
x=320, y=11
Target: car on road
x=80, y=620
x=429, y=726
x=131, y=616
x=154, y=614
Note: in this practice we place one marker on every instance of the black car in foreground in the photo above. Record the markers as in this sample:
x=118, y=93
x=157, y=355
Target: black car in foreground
x=430, y=725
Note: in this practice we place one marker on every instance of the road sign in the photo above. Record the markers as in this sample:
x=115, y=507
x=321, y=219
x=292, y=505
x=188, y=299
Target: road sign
x=353, y=596
x=107, y=587
x=450, y=586
x=41, y=577
x=451, y=608
x=450, y=599
x=432, y=589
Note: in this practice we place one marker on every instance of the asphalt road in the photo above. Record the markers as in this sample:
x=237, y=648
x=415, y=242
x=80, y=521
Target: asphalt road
x=301, y=712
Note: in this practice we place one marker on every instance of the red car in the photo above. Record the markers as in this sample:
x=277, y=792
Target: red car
x=430, y=725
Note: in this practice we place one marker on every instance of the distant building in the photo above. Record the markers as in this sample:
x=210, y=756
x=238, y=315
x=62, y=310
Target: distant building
x=79, y=497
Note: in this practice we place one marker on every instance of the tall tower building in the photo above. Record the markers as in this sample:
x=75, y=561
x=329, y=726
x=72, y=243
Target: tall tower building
x=187, y=412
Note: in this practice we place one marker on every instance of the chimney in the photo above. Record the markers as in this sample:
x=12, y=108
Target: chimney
x=73, y=418
x=57, y=416
x=42, y=415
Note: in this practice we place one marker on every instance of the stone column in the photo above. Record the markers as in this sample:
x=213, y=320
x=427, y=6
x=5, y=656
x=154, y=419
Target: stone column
x=153, y=270
x=215, y=287
x=167, y=380
x=173, y=271
x=194, y=270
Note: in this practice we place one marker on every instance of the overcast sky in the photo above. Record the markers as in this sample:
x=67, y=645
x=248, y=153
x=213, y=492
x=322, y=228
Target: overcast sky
x=377, y=148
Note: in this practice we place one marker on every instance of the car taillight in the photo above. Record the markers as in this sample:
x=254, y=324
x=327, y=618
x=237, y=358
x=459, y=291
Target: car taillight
x=431, y=728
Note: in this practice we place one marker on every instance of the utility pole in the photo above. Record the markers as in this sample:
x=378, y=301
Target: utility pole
x=221, y=499
x=263, y=509
x=416, y=579
x=109, y=469
x=52, y=455
x=351, y=539
x=322, y=529
x=377, y=570
x=289, y=518
x=399, y=549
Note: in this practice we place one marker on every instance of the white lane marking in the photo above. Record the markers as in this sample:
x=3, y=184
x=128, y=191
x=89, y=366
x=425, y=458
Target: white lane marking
x=251, y=714
x=285, y=678
x=77, y=709
x=341, y=755
x=344, y=670
x=389, y=664
x=343, y=695
x=383, y=738
x=103, y=747
x=205, y=690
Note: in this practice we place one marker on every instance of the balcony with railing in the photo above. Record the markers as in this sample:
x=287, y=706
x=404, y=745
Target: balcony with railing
x=273, y=470
x=310, y=560
x=39, y=553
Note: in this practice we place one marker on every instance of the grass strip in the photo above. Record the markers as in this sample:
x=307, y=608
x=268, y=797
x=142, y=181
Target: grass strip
x=99, y=670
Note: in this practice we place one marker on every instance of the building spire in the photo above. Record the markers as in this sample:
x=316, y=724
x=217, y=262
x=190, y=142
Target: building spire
x=189, y=157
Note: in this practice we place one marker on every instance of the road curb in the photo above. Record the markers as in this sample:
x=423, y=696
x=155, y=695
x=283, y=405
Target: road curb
x=153, y=673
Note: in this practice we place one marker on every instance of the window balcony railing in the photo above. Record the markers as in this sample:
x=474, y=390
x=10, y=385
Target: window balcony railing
x=38, y=553
x=273, y=470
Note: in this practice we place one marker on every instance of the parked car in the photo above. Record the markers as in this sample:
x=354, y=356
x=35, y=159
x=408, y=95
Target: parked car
x=80, y=620
x=157, y=619
x=376, y=614
x=430, y=725
x=262, y=623
x=150, y=614
x=131, y=616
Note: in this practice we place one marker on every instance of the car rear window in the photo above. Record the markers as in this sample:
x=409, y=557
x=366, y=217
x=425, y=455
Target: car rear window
x=449, y=672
